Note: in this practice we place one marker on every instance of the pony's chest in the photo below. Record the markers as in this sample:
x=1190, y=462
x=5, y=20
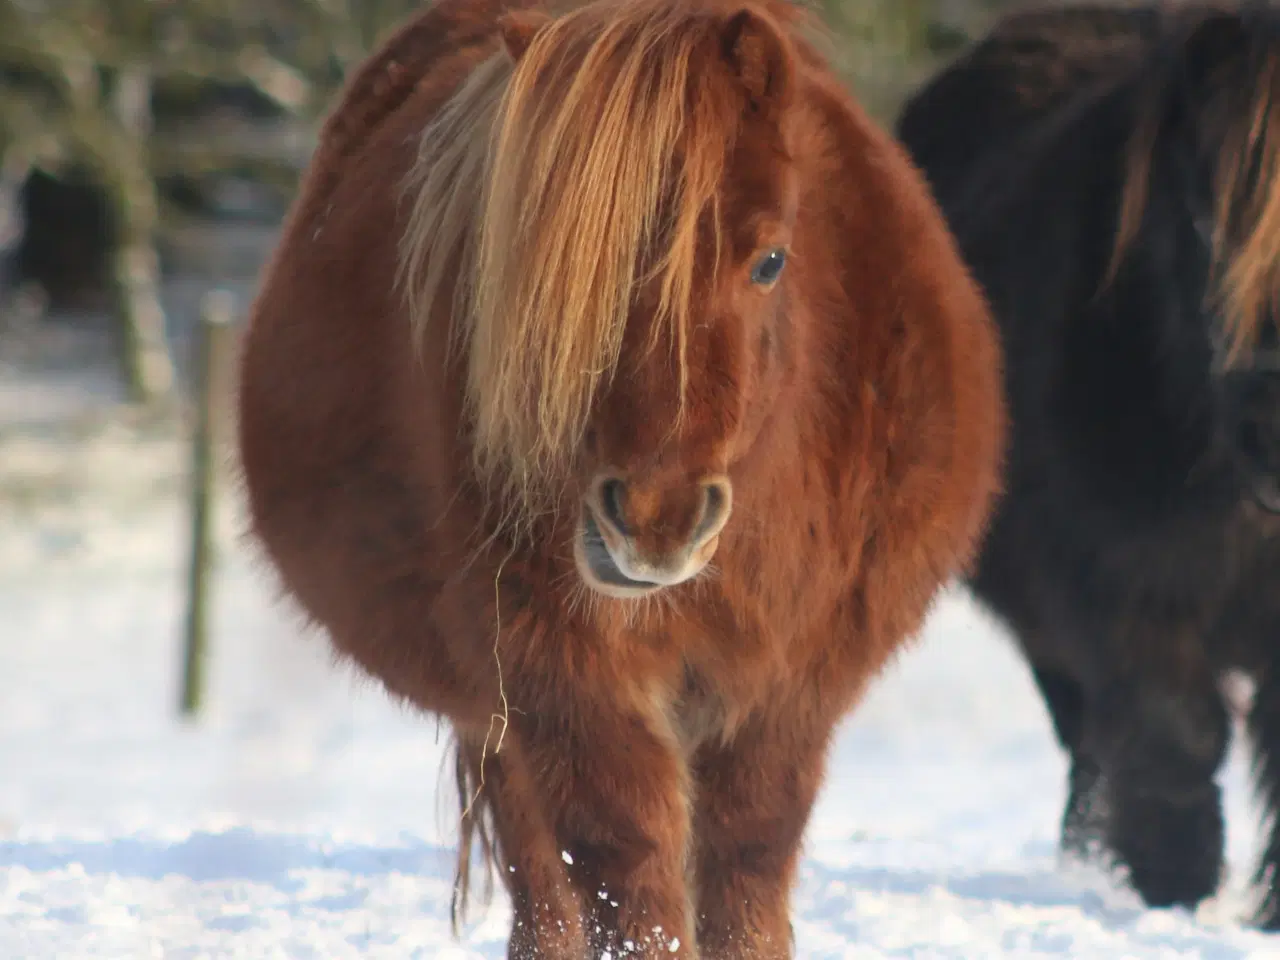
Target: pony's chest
x=752, y=633
x=711, y=706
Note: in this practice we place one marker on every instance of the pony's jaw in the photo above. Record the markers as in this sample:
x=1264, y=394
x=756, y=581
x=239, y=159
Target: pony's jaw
x=611, y=567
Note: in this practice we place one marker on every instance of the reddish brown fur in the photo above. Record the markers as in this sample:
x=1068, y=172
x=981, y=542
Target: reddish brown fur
x=673, y=745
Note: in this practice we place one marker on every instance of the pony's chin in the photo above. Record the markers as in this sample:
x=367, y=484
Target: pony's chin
x=617, y=591
x=604, y=577
x=602, y=574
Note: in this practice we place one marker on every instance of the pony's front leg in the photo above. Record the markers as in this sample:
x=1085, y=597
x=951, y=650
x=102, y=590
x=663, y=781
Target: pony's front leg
x=546, y=911
x=1159, y=742
x=754, y=796
x=613, y=785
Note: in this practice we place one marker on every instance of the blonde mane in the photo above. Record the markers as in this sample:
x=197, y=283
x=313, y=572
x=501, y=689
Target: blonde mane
x=547, y=193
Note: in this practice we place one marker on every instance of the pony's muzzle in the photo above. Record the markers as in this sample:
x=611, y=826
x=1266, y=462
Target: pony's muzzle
x=634, y=540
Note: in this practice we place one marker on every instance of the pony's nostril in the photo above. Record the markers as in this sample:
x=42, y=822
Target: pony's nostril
x=715, y=510
x=612, y=499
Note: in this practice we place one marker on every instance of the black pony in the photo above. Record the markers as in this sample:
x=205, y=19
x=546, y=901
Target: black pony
x=1112, y=174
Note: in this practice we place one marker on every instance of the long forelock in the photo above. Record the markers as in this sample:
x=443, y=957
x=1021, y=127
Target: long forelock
x=553, y=191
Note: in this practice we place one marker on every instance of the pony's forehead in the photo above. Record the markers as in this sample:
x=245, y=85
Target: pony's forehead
x=681, y=40
x=669, y=54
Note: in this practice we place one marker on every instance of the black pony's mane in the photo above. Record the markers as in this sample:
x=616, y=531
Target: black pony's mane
x=1111, y=174
x=1031, y=65
x=1208, y=68
x=1217, y=65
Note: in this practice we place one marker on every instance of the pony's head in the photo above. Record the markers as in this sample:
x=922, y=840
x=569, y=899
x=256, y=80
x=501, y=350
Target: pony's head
x=621, y=185
x=1209, y=123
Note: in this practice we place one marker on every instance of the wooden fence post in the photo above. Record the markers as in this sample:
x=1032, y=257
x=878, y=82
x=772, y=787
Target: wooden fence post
x=135, y=264
x=216, y=323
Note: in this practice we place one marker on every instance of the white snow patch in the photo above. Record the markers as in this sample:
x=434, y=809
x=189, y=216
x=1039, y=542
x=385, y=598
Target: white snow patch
x=300, y=816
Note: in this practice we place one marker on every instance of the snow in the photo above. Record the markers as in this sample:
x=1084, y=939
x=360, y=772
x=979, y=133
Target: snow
x=300, y=817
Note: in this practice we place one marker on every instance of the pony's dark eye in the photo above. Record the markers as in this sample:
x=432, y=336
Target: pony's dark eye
x=766, y=271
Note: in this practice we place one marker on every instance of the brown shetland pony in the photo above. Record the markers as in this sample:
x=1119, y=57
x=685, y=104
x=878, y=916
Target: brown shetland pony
x=617, y=393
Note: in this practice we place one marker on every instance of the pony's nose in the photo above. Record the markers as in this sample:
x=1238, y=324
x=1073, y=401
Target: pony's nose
x=715, y=498
x=717, y=501
x=612, y=494
x=637, y=538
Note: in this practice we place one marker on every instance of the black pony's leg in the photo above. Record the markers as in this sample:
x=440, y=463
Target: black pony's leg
x=1264, y=727
x=1064, y=697
x=1158, y=747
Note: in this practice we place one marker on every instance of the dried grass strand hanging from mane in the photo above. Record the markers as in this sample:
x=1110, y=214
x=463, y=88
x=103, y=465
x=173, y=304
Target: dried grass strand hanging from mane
x=551, y=191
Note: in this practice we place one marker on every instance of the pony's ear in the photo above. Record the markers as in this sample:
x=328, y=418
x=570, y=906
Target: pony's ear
x=759, y=57
x=518, y=28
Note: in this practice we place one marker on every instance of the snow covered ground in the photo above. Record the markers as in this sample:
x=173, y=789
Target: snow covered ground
x=299, y=816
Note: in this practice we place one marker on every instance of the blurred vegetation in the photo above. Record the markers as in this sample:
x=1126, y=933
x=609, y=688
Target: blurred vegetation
x=885, y=48
x=132, y=97
x=115, y=91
